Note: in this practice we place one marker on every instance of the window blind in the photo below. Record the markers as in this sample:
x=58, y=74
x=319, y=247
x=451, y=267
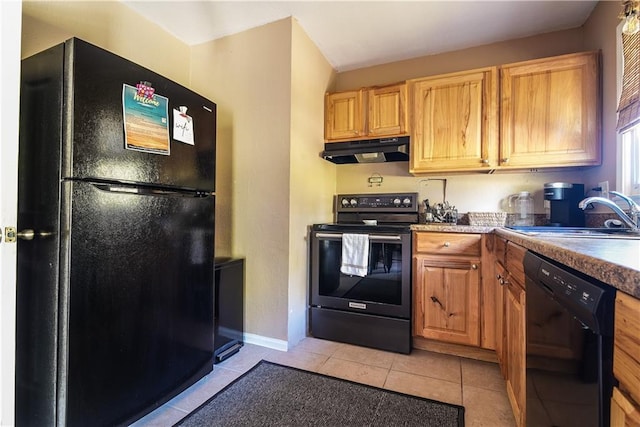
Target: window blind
x=629, y=107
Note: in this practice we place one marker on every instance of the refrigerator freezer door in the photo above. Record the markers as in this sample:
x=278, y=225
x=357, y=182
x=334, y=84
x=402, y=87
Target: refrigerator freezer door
x=138, y=299
x=94, y=145
x=37, y=266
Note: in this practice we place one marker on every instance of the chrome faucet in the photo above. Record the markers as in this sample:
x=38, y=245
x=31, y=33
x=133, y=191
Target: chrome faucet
x=630, y=220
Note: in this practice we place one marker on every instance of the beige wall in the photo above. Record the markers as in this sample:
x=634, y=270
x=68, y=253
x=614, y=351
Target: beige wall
x=600, y=33
x=269, y=83
x=540, y=46
x=249, y=76
x=108, y=24
x=312, y=182
x=482, y=192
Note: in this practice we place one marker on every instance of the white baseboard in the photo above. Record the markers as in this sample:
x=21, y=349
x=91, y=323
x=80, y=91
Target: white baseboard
x=273, y=343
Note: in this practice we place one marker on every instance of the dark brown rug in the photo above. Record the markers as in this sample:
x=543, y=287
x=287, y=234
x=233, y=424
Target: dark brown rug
x=274, y=395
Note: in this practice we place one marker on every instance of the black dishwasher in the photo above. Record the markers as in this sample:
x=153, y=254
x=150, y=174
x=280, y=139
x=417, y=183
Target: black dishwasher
x=569, y=345
x=228, y=307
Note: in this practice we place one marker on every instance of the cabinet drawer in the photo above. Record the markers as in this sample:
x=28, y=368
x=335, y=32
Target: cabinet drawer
x=626, y=352
x=515, y=262
x=447, y=243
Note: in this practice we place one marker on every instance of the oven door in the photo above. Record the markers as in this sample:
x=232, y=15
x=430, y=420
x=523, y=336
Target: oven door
x=385, y=290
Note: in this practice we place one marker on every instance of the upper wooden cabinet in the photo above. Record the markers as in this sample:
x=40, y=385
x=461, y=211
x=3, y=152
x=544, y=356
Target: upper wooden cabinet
x=454, y=121
x=366, y=113
x=549, y=112
x=343, y=117
x=387, y=110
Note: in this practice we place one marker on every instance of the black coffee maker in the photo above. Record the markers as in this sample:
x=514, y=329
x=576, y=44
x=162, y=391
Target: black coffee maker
x=561, y=204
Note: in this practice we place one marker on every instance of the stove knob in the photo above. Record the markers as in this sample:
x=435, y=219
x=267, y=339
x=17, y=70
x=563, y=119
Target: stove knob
x=345, y=202
x=354, y=202
x=396, y=202
x=407, y=201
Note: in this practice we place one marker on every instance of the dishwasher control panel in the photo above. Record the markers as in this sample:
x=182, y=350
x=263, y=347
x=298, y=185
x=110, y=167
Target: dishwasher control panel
x=586, y=298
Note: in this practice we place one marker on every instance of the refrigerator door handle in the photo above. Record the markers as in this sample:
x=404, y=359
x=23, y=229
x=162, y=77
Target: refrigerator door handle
x=135, y=189
x=29, y=234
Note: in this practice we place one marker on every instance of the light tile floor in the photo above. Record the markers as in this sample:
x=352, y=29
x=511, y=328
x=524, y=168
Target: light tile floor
x=476, y=385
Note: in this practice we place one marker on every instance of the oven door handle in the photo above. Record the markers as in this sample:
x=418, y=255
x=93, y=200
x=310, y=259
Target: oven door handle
x=371, y=236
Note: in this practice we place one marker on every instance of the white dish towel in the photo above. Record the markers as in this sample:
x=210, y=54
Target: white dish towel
x=355, y=254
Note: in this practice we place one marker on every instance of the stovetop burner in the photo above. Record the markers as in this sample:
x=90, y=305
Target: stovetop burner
x=395, y=211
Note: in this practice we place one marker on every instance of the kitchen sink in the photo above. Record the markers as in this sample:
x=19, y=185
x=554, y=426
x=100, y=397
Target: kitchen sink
x=577, y=232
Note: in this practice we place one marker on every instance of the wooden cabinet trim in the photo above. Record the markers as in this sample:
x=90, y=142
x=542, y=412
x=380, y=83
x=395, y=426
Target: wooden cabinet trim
x=514, y=260
x=623, y=411
x=626, y=351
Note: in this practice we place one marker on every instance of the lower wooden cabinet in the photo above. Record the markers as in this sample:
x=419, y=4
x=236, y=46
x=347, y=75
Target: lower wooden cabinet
x=625, y=403
x=446, y=295
x=511, y=330
x=515, y=348
x=446, y=287
x=624, y=413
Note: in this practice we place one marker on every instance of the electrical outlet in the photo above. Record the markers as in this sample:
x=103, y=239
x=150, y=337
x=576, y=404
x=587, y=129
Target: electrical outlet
x=604, y=188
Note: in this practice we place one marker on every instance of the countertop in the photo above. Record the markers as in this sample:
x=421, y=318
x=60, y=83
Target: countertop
x=613, y=261
x=452, y=228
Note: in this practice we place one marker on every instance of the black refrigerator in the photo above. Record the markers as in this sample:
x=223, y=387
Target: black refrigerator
x=115, y=272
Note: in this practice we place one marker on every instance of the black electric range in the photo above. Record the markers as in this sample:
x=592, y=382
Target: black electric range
x=372, y=309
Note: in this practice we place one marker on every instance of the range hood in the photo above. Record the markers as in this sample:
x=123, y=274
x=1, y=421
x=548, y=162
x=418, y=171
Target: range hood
x=368, y=151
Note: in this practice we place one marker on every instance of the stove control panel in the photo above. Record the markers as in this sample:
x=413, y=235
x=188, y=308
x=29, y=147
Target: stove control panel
x=390, y=202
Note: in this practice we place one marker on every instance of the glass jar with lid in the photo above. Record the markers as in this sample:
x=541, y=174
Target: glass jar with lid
x=522, y=208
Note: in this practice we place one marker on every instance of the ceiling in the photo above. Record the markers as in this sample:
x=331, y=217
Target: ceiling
x=357, y=34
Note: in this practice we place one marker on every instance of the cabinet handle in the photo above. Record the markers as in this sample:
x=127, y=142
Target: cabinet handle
x=447, y=244
x=506, y=160
x=485, y=161
x=474, y=267
x=437, y=301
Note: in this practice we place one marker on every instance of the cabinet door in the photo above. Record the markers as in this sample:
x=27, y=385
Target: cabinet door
x=343, y=115
x=515, y=348
x=447, y=296
x=624, y=413
x=387, y=110
x=454, y=125
x=626, y=352
x=549, y=112
x=498, y=281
